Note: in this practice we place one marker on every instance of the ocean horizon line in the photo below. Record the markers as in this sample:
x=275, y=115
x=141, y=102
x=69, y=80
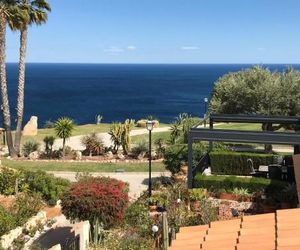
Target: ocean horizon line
x=109, y=63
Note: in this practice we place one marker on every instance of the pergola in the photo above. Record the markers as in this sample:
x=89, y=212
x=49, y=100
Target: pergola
x=262, y=137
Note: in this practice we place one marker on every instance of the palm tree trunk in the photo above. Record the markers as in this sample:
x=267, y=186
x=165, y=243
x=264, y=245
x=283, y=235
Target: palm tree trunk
x=4, y=94
x=64, y=146
x=20, y=104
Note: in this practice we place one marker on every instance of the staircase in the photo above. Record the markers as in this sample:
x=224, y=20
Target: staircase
x=279, y=231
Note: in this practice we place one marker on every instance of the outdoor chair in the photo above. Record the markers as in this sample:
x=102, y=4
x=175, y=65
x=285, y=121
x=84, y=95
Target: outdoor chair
x=253, y=171
x=275, y=171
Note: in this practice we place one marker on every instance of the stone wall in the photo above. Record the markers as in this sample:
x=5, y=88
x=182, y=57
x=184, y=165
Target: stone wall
x=7, y=239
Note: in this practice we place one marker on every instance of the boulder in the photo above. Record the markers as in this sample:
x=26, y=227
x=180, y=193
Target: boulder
x=142, y=123
x=34, y=155
x=121, y=156
x=141, y=156
x=109, y=155
x=31, y=128
x=78, y=155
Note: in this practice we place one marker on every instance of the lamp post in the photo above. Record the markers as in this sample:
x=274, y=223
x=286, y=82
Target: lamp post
x=149, y=126
x=205, y=110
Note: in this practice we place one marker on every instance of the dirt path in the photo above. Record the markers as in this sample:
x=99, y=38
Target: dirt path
x=75, y=141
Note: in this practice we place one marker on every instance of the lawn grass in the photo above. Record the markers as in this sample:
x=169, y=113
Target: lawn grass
x=82, y=166
x=159, y=135
x=79, y=130
x=239, y=126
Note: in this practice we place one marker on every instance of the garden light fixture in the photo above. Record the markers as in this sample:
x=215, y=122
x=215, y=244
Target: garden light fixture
x=205, y=110
x=149, y=126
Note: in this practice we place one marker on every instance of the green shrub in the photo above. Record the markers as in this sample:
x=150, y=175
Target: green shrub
x=137, y=216
x=159, y=148
x=25, y=207
x=7, y=181
x=233, y=163
x=47, y=185
x=197, y=194
x=120, y=240
x=29, y=147
x=7, y=221
x=177, y=155
x=140, y=148
x=214, y=183
x=49, y=124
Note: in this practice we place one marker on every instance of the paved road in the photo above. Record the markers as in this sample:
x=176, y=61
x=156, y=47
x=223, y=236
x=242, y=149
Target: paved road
x=75, y=141
x=138, y=182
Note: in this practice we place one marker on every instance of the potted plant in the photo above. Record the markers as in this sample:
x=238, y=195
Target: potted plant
x=196, y=195
x=225, y=195
x=241, y=194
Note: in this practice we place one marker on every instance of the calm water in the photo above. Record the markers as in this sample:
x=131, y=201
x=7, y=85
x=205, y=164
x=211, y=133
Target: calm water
x=116, y=91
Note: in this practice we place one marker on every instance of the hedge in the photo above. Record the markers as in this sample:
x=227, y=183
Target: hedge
x=253, y=184
x=234, y=163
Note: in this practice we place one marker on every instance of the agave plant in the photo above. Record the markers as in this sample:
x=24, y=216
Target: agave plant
x=115, y=133
x=93, y=144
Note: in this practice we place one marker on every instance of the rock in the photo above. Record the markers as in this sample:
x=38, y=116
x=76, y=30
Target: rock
x=78, y=155
x=34, y=155
x=141, y=156
x=121, y=156
x=184, y=169
x=7, y=239
x=109, y=155
x=142, y=123
x=31, y=128
x=4, y=151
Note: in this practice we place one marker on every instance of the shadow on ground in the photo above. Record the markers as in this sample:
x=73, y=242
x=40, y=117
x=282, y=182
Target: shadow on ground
x=59, y=235
x=162, y=179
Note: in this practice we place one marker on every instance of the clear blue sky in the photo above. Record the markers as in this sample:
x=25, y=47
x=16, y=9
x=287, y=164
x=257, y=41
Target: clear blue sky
x=166, y=31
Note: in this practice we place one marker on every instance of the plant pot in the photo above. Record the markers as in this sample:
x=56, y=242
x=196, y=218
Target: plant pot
x=246, y=198
x=227, y=196
x=184, y=169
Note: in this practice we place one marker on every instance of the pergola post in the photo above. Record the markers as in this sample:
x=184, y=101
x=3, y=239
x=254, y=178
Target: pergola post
x=211, y=126
x=296, y=160
x=190, y=161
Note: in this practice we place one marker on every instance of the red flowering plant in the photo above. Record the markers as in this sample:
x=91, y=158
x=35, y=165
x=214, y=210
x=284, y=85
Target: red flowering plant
x=101, y=200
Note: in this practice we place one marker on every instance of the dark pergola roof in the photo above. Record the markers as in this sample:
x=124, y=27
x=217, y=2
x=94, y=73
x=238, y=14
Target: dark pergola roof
x=244, y=136
x=263, y=137
x=254, y=119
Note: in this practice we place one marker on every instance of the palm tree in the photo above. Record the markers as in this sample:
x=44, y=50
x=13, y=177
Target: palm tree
x=63, y=128
x=35, y=12
x=8, y=11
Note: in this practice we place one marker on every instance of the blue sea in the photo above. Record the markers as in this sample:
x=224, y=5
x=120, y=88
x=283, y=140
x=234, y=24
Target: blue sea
x=117, y=91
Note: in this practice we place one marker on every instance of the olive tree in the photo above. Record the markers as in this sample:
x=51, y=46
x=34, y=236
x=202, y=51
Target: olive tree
x=258, y=91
